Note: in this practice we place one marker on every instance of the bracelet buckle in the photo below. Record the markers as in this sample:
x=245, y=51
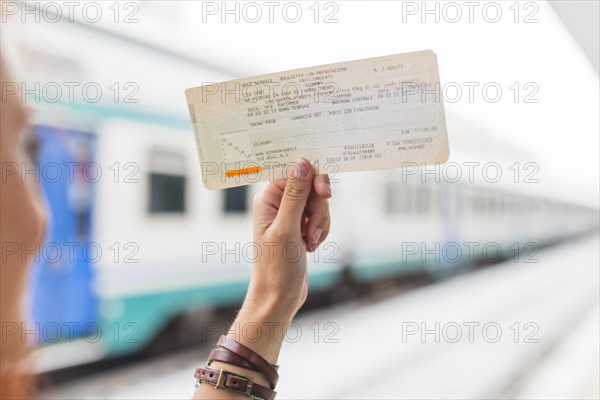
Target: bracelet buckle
x=223, y=374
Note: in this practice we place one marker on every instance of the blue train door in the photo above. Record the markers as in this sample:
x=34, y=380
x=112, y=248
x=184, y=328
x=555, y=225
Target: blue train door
x=61, y=281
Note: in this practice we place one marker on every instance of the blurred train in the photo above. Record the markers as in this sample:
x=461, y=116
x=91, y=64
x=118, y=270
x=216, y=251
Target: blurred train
x=134, y=240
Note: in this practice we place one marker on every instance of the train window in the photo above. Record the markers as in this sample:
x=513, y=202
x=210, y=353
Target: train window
x=236, y=199
x=479, y=203
x=398, y=198
x=466, y=204
x=520, y=205
x=390, y=199
x=167, y=181
x=423, y=200
x=449, y=202
x=492, y=203
x=167, y=193
x=501, y=203
x=515, y=205
x=531, y=205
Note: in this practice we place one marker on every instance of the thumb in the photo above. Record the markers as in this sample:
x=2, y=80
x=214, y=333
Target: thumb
x=295, y=194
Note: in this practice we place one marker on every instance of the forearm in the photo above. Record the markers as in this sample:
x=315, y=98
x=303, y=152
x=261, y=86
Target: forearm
x=260, y=325
x=290, y=214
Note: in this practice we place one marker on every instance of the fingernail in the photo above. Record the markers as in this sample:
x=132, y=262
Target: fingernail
x=300, y=170
x=317, y=236
x=329, y=189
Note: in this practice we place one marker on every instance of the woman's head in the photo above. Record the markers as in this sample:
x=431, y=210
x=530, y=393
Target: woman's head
x=22, y=227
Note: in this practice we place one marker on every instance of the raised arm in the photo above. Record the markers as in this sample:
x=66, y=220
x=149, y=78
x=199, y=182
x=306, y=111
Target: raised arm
x=291, y=217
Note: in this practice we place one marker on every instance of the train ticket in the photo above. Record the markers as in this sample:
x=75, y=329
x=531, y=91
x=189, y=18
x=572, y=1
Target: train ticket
x=374, y=113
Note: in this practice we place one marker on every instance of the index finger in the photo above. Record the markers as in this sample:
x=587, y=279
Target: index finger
x=322, y=186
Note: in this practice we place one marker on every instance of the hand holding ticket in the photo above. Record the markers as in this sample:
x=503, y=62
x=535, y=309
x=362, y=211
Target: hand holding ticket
x=360, y=115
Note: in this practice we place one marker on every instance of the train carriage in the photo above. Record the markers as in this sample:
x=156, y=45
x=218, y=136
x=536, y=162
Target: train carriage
x=151, y=244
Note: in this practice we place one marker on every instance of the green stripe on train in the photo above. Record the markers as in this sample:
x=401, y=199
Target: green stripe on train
x=141, y=317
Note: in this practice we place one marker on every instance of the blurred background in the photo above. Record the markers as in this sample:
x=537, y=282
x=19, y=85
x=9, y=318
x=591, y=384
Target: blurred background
x=478, y=279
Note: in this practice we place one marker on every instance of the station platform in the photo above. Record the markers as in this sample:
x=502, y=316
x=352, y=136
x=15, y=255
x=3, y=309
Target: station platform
x=513, y=330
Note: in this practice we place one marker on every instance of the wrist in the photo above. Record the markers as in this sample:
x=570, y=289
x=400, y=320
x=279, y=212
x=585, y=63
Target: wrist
x=268, y=306
x=278, y=287
x=261, y=323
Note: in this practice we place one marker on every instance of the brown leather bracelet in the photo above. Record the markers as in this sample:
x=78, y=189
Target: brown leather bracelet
x=223, y=379
x=226, y=356
x=251, y=357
